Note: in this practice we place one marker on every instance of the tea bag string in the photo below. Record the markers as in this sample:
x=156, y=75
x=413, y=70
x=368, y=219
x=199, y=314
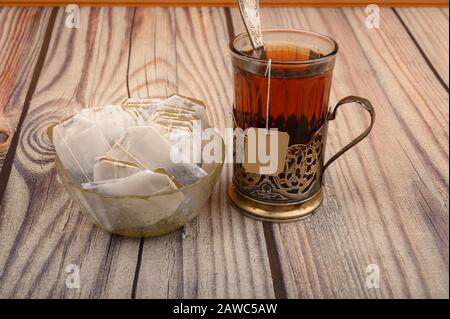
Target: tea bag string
x=268, y=71
x=178, y=112
x=131, y=155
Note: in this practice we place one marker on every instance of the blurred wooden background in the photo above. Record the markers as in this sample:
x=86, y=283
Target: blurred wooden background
x=231, y=2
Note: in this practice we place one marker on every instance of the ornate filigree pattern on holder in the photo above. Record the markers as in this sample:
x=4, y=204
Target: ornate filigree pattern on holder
x=250, y=14
x=300, y=178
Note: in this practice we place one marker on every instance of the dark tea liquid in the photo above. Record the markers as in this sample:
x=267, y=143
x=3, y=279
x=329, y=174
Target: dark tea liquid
x=298, y=92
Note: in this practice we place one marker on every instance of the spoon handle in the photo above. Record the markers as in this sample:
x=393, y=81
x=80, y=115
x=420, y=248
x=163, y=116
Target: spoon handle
x=250, y=15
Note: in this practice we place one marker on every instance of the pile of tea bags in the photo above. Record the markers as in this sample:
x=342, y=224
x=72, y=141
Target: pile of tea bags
x=126, y=150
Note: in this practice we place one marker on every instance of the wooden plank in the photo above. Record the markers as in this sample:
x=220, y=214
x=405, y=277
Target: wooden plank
x=152, y=73
x=387, y=199
x=41, y=230
x=429, y=28
x=21, y=35
x=221, y=253
x=275, y=3
x=383, y=207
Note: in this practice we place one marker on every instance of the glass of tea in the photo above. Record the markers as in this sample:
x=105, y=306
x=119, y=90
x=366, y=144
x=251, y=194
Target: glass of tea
x=286, y=88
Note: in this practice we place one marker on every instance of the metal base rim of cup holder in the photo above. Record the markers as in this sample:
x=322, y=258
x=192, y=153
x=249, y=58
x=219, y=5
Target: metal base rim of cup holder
x=275, y=213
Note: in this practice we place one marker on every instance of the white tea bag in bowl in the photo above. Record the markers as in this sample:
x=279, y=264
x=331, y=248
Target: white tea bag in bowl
x=78, y=142
x=138, y=116
x=187, y=104
x=128, y=168
x=74, y=125
x=138, y=109
x=175, y=123
x=143, y=183
x=168, y=113
x=166, y=130
x=145, y=147
x=111, y=119
x=110, y=168
x=178, y=107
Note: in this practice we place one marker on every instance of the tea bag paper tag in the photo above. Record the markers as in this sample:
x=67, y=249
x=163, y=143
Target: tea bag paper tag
x=265, y=151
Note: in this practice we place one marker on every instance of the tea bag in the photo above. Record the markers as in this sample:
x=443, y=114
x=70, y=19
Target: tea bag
x=162, y=111
x=78, y=141
x=169, y=113
x=138, y=109
x=114, y=142
x=178, y=108
x=140, y=103
x=165, y=130
x=109, y=168
x=86, y=135
x=111, y=119
x=174, y=123
x=178, y=114
x=74, y=125
x=129, y=211
x=138, y=116
x=145, y=147
x=181, y=138
x=144, y=183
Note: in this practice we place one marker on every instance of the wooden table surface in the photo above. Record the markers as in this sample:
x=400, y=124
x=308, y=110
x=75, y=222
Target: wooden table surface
x=387, y=200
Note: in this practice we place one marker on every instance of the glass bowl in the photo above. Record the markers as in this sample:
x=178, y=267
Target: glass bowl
x=143, y=216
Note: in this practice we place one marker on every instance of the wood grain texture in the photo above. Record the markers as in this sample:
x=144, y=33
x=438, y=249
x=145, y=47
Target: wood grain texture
x=21, y=36
x=226, y=2
x=429, y=27
x=41, y=230
x=152, y=73
x=387, y=199
x=220, y=254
